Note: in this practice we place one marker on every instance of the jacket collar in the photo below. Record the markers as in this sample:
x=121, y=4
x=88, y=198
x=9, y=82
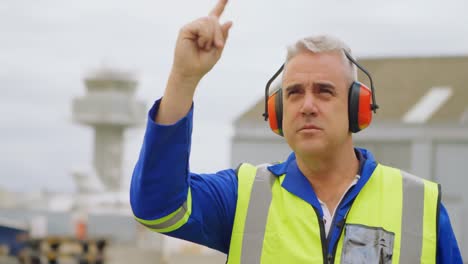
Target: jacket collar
x=296, y=183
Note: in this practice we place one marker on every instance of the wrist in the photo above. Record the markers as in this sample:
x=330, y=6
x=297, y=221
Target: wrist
x=182, y=79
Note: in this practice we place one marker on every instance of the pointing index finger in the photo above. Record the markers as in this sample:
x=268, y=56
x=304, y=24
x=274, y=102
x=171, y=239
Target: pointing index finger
x=219, y=8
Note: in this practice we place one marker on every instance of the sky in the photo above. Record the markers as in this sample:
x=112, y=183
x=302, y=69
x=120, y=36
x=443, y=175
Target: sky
x=47, y=47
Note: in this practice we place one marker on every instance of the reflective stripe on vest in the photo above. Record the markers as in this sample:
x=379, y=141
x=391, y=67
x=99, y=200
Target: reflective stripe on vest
x=172, y=221
x=393, y=201
x=258, y=210
x=250, y=216
x=412, y=218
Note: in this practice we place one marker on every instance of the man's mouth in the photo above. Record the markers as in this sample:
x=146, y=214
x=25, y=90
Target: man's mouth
x=309, y=127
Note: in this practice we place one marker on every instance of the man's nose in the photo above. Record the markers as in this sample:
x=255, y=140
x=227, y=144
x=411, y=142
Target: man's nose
x=309, y=106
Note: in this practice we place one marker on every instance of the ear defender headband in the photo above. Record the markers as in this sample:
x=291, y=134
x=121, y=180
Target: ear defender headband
x=361, y=103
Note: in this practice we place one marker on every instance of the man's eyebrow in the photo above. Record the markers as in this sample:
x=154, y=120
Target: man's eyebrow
x=293, y=86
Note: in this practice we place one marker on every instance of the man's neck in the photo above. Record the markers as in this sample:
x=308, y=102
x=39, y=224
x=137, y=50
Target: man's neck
x=330, y=176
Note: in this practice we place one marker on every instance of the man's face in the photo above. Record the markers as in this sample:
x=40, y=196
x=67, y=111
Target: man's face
x=315, y=103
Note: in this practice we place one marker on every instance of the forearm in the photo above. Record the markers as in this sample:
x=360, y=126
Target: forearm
x=177, y=99
x=159, y=182
x=159, y=192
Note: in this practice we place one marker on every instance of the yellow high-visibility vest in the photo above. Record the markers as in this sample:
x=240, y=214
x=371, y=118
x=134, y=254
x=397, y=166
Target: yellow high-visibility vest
x=392, y=220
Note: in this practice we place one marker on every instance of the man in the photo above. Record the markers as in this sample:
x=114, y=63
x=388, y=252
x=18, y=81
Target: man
x=327, y=203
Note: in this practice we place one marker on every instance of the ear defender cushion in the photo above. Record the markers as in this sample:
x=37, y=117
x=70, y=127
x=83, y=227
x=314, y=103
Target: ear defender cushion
x=359, y=107
x=279, y=111
x=275, y=112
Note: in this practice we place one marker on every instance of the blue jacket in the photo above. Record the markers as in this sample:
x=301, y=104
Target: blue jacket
x=162, y=176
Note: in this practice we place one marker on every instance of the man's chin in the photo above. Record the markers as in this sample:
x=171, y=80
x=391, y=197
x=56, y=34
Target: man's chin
x=308, y=145
x=311, y=150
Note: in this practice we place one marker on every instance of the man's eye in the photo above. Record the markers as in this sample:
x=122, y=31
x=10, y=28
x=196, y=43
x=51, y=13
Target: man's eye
x=291, y=92
x=326, y=90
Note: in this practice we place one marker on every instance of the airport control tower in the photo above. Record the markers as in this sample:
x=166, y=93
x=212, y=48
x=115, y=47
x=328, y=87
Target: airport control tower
x=109, y=107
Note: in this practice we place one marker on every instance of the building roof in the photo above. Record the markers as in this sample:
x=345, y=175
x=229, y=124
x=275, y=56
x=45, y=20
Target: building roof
x=11, y=224
x=400, y=84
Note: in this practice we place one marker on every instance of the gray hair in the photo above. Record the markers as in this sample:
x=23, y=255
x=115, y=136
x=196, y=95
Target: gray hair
x=322, y=43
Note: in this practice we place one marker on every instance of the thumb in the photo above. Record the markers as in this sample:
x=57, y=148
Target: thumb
x=225, y=29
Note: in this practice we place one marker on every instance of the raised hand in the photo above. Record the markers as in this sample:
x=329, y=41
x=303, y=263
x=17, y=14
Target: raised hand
x=199, y=46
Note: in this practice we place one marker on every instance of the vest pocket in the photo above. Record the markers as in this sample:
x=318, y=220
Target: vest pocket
x=365, y=244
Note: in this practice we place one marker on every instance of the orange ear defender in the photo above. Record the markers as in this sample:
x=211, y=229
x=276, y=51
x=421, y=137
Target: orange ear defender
x=359, y=112
x=361, y=103
x=274, y=105
x=275, y=112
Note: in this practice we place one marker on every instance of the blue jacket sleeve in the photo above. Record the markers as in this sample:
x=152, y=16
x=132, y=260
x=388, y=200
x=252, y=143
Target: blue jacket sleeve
x=161, y=181
x=447, y=246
